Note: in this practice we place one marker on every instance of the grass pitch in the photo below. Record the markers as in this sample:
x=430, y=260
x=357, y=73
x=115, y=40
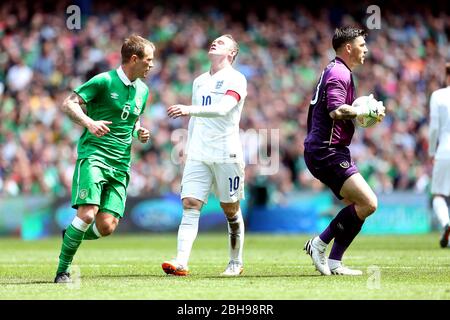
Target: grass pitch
x=276, y=267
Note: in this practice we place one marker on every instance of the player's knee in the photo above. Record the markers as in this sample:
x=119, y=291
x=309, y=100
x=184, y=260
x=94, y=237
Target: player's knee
x=372, y=206
x=87, y=213
x=230, y=209
x=88, y=218
x=106, y=228
x=191, y=203
x=106, y=224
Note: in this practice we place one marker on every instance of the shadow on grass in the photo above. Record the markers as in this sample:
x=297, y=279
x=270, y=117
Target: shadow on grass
x=163, y=276
x=124, y=276
x=266, y=276
x=199, y=276
x=26, y=282
x=90, y=277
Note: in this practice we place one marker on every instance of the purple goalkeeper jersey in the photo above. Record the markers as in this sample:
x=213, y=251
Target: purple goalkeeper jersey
x=334, y=89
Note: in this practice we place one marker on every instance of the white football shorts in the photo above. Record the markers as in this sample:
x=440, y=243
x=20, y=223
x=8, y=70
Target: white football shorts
x=225, y=180
x=440, y=180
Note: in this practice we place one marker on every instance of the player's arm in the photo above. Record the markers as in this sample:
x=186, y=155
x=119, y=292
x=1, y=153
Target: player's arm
x=72, y=107
x=190, y=129
x=191, y=123
x=344, y=112
x=141, y=133
x=372, y=108
x=336, y=93
x=222, y=108
x=434, y=126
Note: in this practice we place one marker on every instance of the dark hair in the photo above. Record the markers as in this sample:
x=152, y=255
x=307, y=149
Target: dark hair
x=346, y=34
x=447, y=69
x=134, y=44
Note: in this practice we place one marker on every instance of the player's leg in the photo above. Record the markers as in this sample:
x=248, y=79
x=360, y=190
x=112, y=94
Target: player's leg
x=236, y=233
x=361, y=202
x=236, y=229
x=440, y=189
x=86, y=197
x=112, y=206
x=229, y=186
x=336, y=169
x=187, y=233
x=104, y=225
x=348, y=222
x=92, y=233
x=107, y=219
x=195, y=186
x=72, y=239
x=440, y=209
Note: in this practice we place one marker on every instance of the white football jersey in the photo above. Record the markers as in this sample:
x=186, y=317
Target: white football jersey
x=217, y=139
x=440, y=124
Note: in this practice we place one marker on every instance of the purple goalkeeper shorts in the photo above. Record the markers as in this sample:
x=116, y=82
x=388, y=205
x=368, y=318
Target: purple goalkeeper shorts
x=332, y=166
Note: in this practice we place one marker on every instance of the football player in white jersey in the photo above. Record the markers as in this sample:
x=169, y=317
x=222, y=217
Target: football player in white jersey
x=214, y=154
x=439, y=151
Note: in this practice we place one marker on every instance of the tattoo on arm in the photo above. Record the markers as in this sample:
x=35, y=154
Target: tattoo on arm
x=72, y=107
x=344, y=112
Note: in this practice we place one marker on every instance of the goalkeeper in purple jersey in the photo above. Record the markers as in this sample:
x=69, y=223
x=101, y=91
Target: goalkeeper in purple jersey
x=330, y=131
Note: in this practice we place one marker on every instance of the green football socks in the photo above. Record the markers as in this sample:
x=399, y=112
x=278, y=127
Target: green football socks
x=90, y=233
x=72, y=239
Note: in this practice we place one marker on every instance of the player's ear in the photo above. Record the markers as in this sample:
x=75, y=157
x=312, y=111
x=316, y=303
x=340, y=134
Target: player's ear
x=233, y=54
x=348, y=47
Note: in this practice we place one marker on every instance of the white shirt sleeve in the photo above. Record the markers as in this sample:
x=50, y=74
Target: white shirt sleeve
x=239, y=85
x=434, y=125
x=222, y=108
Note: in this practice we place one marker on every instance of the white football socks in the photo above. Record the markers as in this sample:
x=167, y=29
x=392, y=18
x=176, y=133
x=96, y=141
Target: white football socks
x=187, y=232
x=236, y=231
x=80, y=224
x=94, y=228
x=441, y=210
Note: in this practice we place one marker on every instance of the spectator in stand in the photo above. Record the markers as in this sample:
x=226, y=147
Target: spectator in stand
x=41, y=61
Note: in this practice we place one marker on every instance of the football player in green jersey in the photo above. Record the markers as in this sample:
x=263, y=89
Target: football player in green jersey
x=108, y=106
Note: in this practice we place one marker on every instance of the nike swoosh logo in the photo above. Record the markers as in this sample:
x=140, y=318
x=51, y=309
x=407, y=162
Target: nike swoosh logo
x=232, y=194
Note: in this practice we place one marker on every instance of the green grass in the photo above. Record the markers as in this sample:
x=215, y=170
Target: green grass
x=129, y=267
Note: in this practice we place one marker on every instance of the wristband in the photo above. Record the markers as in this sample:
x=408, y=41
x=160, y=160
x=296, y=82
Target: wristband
x=135, y=133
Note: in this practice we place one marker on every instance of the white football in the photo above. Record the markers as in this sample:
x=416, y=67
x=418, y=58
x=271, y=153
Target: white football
x=364, y=121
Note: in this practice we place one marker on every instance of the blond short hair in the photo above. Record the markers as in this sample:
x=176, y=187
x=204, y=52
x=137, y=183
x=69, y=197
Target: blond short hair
x=235, y=44
x=134, y=45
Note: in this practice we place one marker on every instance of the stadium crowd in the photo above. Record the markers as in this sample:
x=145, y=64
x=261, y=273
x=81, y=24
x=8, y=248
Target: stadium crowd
x=281, y=54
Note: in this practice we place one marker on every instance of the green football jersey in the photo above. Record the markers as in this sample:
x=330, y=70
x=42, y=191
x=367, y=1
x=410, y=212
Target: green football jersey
x=108, y=98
